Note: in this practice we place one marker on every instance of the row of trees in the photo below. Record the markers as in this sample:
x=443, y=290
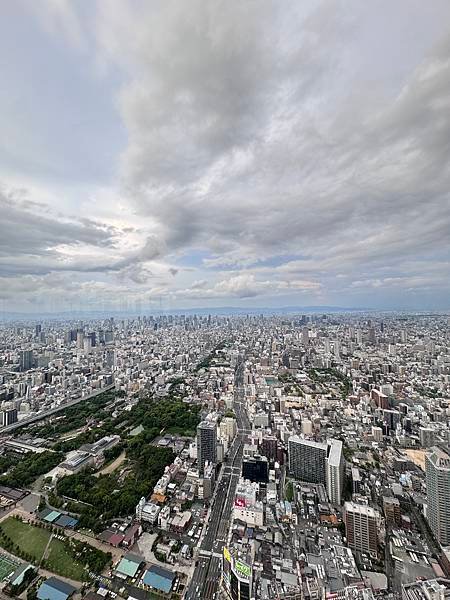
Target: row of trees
x=31, y=467
x=9, y=544
x=94, y=559
x=76, y=416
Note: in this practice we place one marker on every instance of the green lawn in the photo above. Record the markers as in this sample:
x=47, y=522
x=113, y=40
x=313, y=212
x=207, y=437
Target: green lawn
x=31, y=540
x=59, y=561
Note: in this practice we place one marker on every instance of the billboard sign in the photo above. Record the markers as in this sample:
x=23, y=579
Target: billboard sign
x=242, y=569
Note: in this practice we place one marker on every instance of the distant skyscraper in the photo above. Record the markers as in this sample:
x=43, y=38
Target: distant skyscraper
x=110, y=356
x=26, y=361
x=80, y=340
x=305, y=336
x=87, y=345
x=337, y=349
x=437, y=468
x=206, y=444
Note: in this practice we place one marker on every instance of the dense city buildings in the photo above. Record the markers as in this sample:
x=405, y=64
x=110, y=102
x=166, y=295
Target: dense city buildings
x=254, y=456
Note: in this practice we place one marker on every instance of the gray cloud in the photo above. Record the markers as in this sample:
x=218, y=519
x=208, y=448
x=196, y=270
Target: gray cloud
x=244, y=142
x=281, y=142
x=29, y=228
x=34, y=240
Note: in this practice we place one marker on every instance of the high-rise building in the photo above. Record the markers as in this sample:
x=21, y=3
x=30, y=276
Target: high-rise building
x=307, y=459
x=335, y=471
x=80, y=340
x=356, y=480
x=361, y=527
x=8, y=417
x=206, y=483
x=391, y=418
x=437, y=469
x=110, y=357
x=26, y=361
x=237, y=576
x=87, y=344
x=256, y=468
x=377, y=434
x=206, y=444
x=392, y=512
x=305, y=336
x=380, y=399
x=318, y=462
x=269, y=447
x=427, y=437
x=337, y=349
x=227, y=428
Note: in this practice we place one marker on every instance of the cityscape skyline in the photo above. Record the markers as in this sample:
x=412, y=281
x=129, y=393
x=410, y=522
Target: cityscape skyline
x=164, y=156
x=225, y=300
x=226, y=457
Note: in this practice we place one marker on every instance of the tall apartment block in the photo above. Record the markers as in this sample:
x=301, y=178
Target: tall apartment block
x=361, y=527
x=318, y=462
x=26, y=360
x=427, y=437
x=8, y=417
x=334, y=475
x=437, y=469
x=206, y=444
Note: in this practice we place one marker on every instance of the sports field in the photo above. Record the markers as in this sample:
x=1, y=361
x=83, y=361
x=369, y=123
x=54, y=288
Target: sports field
x=7, y=566
x=32, y=540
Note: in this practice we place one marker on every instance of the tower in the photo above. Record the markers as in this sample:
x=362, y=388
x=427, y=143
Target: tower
x=206, y=444
x=437, y=469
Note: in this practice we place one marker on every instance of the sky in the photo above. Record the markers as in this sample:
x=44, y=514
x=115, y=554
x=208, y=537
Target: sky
x=169, y=154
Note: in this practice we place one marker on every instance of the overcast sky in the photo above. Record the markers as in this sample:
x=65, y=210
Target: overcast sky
x=203, y=153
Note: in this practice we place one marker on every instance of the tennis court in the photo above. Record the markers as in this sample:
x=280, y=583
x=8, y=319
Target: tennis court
x=7, y=566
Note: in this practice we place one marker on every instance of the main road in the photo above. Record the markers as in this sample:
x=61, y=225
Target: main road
x=206, y=578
